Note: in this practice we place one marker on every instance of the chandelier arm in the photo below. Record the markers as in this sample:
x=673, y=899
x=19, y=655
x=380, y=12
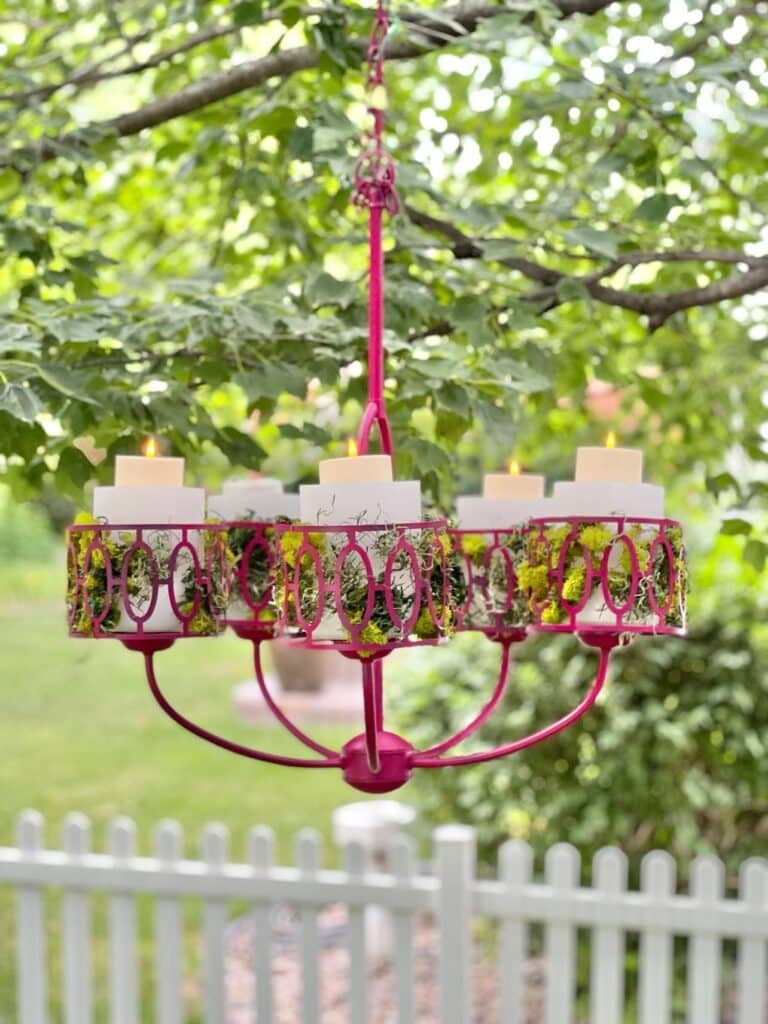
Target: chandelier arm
x=220, y=741
x=427, y=761
x=278, y=713
x=371, y=710
x=485, y=713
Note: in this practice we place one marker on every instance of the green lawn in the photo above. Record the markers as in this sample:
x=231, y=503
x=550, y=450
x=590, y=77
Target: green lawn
x=80, y=731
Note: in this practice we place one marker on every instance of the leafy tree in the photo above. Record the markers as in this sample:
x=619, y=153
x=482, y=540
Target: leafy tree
x=580, y=200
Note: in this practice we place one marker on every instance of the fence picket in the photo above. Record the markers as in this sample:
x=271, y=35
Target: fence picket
x=123, y=963
x=704, y=951
x=261, y=845
x=453, y=893
x=515, y=869
x=657, y=880
x=76, y=928
x=215, y=854
x=308, y=860
x=608, y=943
x=562, y=873
x=402, y=860
x=753, y=953
x=168, y=976
x=455, y=870
x=354, y=865
x=32, y=977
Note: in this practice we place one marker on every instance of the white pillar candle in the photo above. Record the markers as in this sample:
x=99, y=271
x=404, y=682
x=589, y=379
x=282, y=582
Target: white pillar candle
x=609, y=464
x=146, y=501
x=127, y=506
x=508, y=500
x=580, y=498
x=148, y=471
x=253, y=498
x=363, y=504
x=513, y=486
x=609, y=482
x=356, y=469
x=478, y=513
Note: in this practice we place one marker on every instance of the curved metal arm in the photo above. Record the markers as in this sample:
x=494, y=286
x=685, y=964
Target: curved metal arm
x=485, y=712
x=426, y=760
x=280, y=715
x=219, y=741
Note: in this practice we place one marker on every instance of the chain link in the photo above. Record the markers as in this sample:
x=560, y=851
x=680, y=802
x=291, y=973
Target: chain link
x=374, y=174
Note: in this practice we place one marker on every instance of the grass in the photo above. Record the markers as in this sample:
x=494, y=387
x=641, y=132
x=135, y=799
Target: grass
x=80, y=731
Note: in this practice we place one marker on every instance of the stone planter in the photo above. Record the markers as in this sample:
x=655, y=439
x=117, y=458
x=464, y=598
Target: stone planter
x=300, y=670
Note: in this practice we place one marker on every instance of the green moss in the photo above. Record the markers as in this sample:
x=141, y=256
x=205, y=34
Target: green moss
x=573, y=584
x=474, y=546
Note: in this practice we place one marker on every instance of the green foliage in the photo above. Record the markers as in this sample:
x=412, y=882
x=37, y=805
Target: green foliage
x=157, y=280
x=673, y=756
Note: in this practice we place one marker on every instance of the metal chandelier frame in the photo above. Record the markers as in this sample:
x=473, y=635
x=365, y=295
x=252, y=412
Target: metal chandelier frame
x=376, y=760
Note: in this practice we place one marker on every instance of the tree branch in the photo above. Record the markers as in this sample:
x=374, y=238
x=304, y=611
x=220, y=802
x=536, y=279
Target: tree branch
x=657, y=306
x=454, y=22
x=92, y=74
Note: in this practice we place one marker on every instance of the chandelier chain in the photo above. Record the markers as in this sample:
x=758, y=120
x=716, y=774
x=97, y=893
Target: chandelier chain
x=374, y=190
x=374, y=174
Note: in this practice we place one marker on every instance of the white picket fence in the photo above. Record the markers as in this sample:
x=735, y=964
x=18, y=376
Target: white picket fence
x=450, y=893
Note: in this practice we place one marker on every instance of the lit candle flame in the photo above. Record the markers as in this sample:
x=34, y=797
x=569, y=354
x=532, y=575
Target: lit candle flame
x=514, y=467
x=149, y=448
x=351, y=448
x=610, y=441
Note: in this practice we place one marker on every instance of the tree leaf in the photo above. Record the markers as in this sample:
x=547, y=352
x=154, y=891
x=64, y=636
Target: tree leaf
x=732, y=527
x=20, y=401
x=325, y=290
x=18, y=338
x=306, y=431
x=656, y=208
x=241, y=449
x=68, y=382
x=755, y=553
x=605, y=243
x=247, y=12
x=75, y=467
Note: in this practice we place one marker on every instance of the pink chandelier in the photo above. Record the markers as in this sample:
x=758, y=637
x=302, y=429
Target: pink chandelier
x=353, y=565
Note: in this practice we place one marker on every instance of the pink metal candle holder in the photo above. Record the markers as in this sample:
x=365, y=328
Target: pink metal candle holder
x=616, y=574
x=486, y=590
x=251, y=555
x=129, y=581
x=364, y=590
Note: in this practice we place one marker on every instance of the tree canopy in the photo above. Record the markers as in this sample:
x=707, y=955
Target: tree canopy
x=582, y=200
